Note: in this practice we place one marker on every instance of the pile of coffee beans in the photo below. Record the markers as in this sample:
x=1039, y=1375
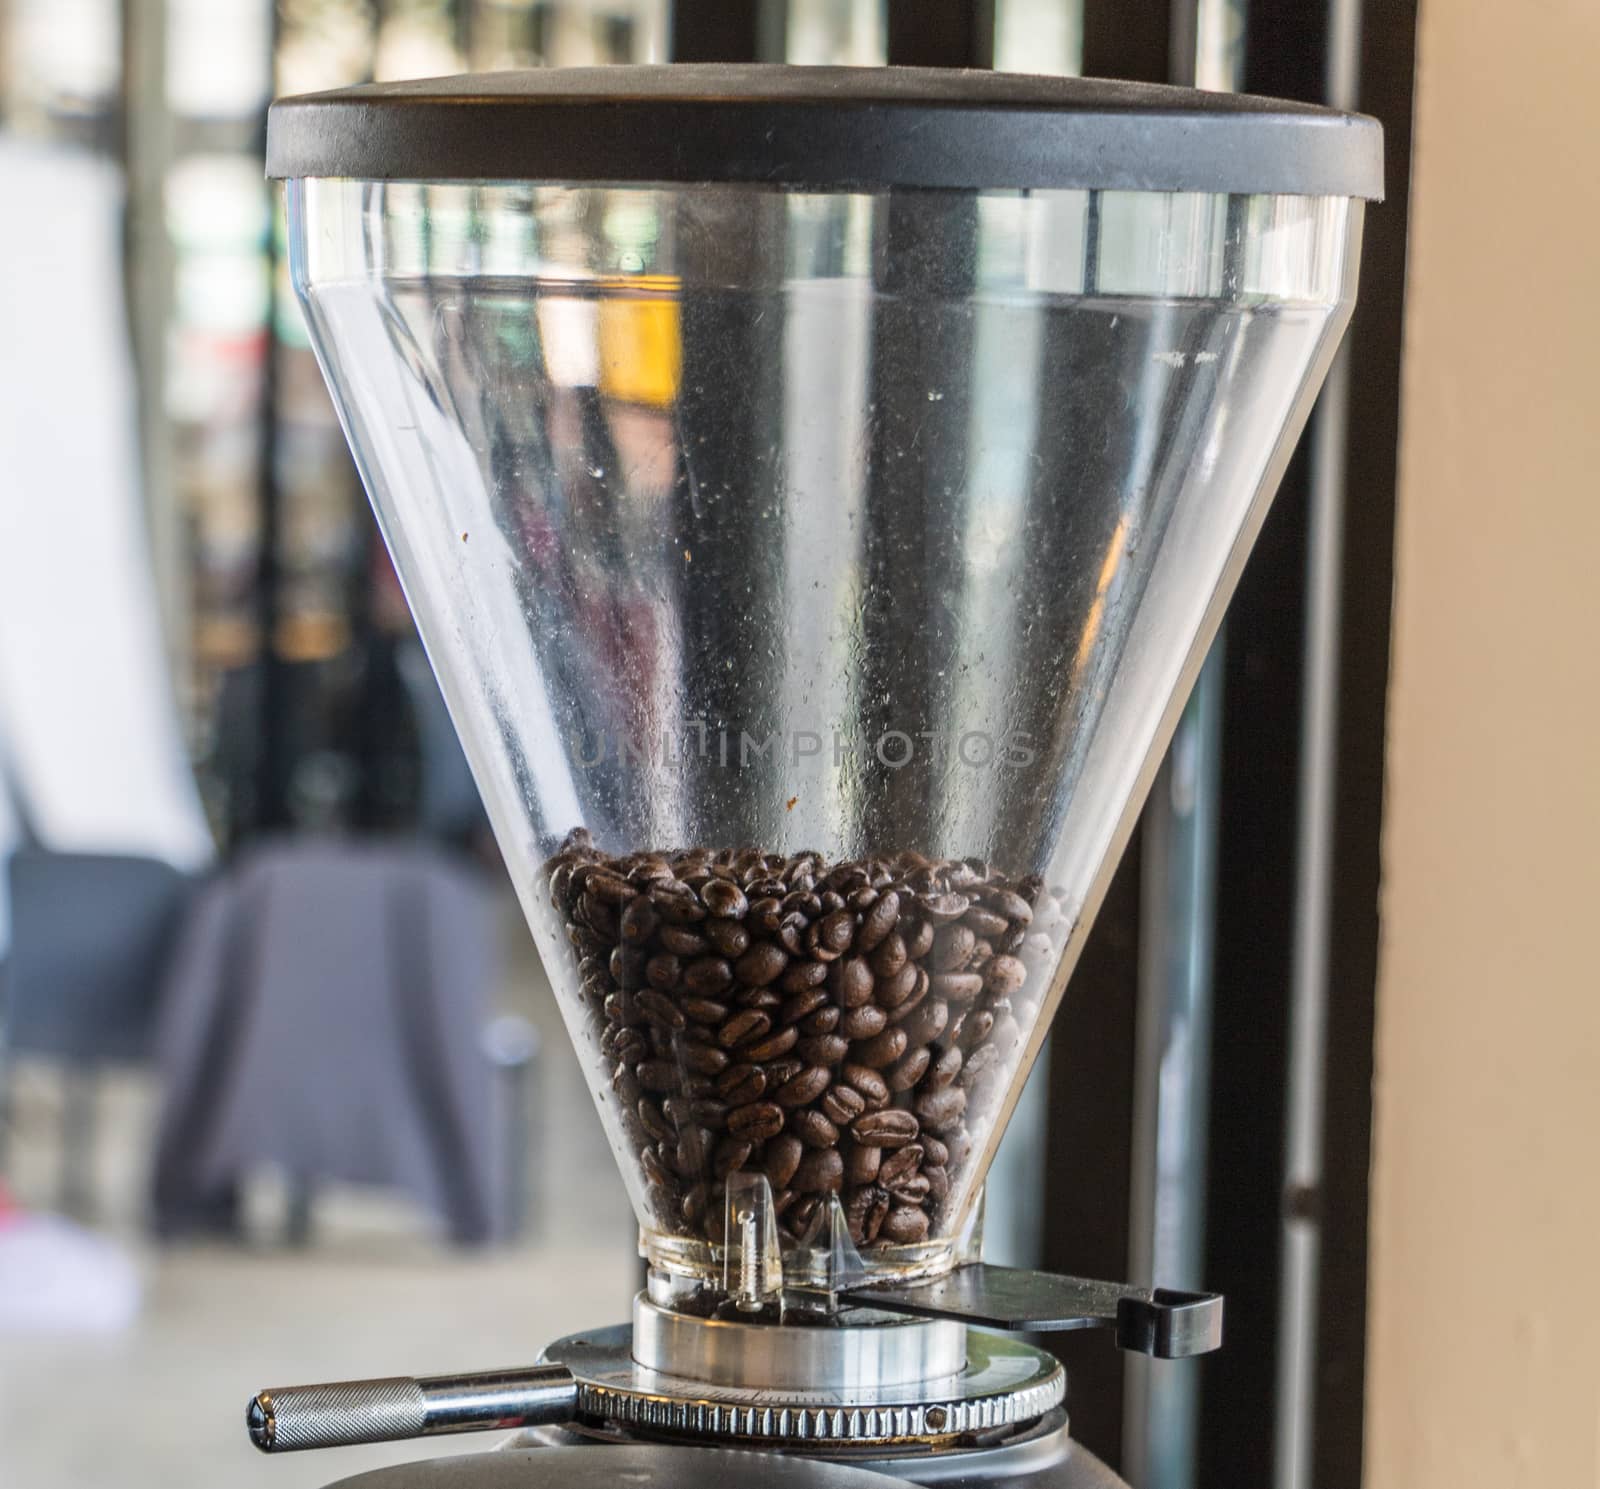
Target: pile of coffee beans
x=840, y=1027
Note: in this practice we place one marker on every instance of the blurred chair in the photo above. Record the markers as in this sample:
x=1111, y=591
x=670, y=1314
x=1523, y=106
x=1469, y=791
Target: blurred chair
x=326, y=1014
x=91, y=935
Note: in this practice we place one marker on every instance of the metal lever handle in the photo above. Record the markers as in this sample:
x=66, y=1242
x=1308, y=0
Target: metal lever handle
x=285, y=1419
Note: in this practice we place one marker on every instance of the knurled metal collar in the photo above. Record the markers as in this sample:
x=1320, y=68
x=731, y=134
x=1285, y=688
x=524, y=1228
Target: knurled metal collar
x=1005, y=1383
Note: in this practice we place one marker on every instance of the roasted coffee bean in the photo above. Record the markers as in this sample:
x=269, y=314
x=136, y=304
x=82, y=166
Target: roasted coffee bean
x=803, y=902
x=799, y=977
x=773, y=1045
x=919, y=940
x=625, y=1083
x=804, y=1088
x=952, y=948
x=821, y=1170
x=792, y=933
x=938, y=1182
x=842, y=1104
x=890, y=956
x=765, y=916
x=677, y=907
x=704, y=1010
x=658, y=1075
x=858, y=900
x=681, y=941
x=879, y=921
x=973, y=1027
x=757, y=1122
x=627, y=965
x=728, y=936
x=703, y=1059
x=724, y=899
x=934, y=1152
x=982, y=1059
x=940, y=1110
x=656, y=1172
x=944, y=1070
x=762, y=964
x=639, y=920
x=1004, y=975
x=824, y=1021
x=652, y=1119
x=874, y=1090
x=861, y=1161
x=803, y=1214
x=660, y=1010
x=691, y=1153
x=783, y=1157
x=708, y=975
x=695, y=1203
x=907, y=1070
x=779, y=1071
x=985, y=922
x=797, y=1007
x=900, y=1164
x=743, y=1028
x=739, y=1085
x=911, y=1190
x=1010, y=942
x=767, y=999
x=895, y=988
x=887, y=1129
x=855, y=982
x=882, y=1050
x=863, y=1023
x=942, y=909
x=864, y=1212
x=837, y=930
x=926, y=1021
x=621, y=1008
x=1008, y=903
x=823, y=1049
x=904, y=1225
x=731, y=1154
x=814, y=1129
x=663, y=971
x=708, y=1111
x=609, y=889
x=957, y=987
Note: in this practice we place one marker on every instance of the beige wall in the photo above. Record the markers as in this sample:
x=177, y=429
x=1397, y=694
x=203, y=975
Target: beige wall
x=1484, y=1364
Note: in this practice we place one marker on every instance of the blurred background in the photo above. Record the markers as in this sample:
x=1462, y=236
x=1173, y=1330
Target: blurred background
x=230, y=795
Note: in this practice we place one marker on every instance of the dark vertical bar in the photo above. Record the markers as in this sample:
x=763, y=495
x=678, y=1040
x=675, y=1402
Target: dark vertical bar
x=1089, y=1149
x=727, y=30
x=1388, y=61
x=959, y=33
x=1256, y=901
x=1130, y=41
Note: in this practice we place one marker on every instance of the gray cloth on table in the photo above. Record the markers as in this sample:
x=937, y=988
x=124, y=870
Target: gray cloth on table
x=325, y=1013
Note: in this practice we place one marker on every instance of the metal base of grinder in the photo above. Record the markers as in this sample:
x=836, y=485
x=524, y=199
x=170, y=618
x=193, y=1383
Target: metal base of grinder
x=871, y=1379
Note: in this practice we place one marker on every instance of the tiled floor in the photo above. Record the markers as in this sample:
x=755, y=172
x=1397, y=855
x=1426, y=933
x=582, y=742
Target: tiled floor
x=162, y=1403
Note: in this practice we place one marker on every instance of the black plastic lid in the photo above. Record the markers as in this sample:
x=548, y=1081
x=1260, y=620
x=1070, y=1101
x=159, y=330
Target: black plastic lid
x=857, y=128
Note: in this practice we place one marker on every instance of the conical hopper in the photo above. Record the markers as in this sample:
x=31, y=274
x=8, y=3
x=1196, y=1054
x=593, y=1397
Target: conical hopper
x=816, y=492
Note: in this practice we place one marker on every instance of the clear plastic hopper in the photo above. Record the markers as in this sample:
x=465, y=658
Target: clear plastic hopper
x=814, y=573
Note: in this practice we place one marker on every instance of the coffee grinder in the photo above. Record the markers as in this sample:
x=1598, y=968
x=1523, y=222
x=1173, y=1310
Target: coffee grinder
x=816, y=490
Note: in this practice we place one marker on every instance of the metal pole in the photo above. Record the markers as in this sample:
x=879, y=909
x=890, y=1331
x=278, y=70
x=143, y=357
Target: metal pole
x=1308, y=997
